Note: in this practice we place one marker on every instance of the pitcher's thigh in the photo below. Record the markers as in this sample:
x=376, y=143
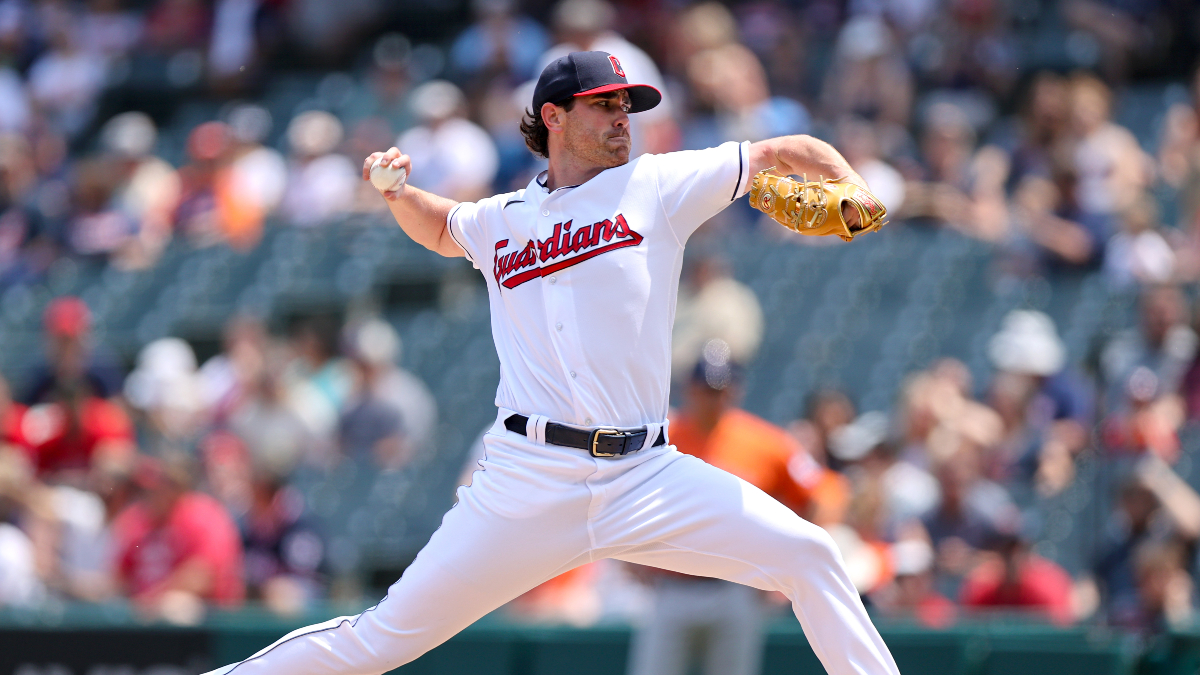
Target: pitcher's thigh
x=694, y=518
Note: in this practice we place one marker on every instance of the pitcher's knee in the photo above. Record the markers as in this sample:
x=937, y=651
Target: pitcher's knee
x=808, y=553
x=819, y=547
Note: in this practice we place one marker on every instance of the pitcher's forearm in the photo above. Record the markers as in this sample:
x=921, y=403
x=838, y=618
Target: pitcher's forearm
x=422, y=215
x=801, y=155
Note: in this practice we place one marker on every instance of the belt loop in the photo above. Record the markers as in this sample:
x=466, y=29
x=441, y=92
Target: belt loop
x=652, y=430
x=535, y=429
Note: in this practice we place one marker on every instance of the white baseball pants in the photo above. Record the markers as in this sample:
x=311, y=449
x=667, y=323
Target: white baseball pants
x=535, y=511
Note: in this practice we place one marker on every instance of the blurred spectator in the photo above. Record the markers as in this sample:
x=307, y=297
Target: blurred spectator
x=176, y=548
x=19, y=582
x=452, y=156
x=166, y=389
x=867, y=454
x=12, y=415
x=233, y=50
x=1111, y=169
x=860, y=144
x=1165, y=590
x=1045, y=408
x=1155, y=508
x=229, y=377
x=277, y=438
x=713, y=305
x=936, y=415
x=1159, y=351
x=98, y=228
x=587, y=25
x=500, y=44
x=1179, y=157
x=72, y=360
x=73, y=429
x=1038, y=144
x=108, y=32
x=1015, y=578
x=83, y=567
x=970, y=512
x=825, y=411
x=710, y=427
x=392, y=415
x=500, y=113
x=318, y=379
x=148, y=188
x=729, y=79
x=253, y=184
x=904, y=490
x=176, y=25
x=971, y=49
x=869, y=78
x=1045, y=231
x=65, y=81
x=18, y=219
x=958, y=186
x=36, y=176
x=1125, y=34
x=389, y=80
x=322, y=181
x=1139, y=254
x=198, y=215
x=15, y=109
x=284, y=553
x=912, y=594
x=1179, y=164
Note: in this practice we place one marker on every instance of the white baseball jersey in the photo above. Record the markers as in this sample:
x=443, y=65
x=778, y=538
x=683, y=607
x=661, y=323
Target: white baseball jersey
x=583, y=281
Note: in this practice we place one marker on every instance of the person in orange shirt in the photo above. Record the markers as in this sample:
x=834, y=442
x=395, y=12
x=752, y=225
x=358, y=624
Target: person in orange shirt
x=723, y=619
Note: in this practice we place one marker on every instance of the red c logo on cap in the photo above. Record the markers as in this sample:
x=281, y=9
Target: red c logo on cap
x=616, y=66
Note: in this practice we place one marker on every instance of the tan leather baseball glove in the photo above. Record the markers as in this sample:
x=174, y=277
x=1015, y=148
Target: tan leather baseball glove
x=815, y=207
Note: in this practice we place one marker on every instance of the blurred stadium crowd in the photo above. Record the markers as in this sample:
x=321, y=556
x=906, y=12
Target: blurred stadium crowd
x=129, y=127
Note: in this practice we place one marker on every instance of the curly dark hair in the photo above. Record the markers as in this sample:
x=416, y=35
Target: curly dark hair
x=537, y=136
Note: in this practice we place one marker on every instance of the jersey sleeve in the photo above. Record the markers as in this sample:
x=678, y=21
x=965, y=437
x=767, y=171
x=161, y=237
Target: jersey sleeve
x=467, y=223
x=695, y=185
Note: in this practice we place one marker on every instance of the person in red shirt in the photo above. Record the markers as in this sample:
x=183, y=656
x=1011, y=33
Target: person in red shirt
x=176, y=547
x=1018, y=579
x=65, y=435
x=71, y=417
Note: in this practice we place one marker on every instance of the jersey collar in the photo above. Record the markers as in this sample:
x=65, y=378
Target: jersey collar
x=540, y=180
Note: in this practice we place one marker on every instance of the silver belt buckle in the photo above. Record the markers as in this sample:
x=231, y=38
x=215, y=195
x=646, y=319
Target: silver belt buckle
x=596, y=434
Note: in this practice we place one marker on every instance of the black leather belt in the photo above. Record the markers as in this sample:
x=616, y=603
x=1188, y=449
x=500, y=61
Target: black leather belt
x=600, y=442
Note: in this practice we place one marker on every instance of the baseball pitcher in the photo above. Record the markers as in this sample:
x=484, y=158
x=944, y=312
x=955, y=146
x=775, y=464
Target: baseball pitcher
x=582, y=269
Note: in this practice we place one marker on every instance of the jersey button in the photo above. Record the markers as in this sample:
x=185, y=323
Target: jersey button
x=588, y=421
x=545, y=212
x=572, y=374
x=558, y=326
x=553, y=280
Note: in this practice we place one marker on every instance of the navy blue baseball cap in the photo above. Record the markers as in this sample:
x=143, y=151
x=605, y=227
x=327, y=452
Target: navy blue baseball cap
x=586, y=73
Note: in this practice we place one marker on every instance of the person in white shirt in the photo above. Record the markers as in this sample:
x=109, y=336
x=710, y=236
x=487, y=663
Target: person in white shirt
x=582, y=269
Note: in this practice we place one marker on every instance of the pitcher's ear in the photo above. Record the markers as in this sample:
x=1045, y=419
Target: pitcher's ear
x=553, y=116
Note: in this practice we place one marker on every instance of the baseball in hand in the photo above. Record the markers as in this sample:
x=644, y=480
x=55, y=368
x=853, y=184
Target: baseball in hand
x=385, y=178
